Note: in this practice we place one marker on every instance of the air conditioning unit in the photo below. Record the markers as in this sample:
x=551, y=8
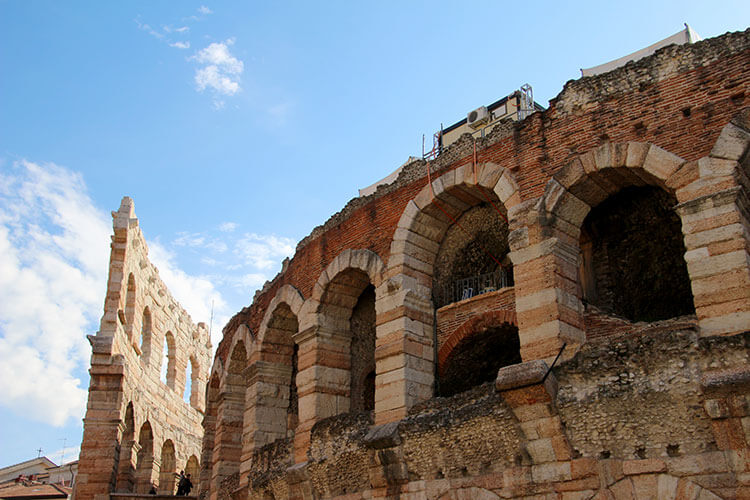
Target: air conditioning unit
x=478, y=117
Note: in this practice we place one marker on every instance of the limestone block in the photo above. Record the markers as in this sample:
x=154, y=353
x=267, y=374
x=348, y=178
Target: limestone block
x=489, y=174
x=724, y=325
x=636, y=154
x=505, y=187
x=717, y=264
x=732, y=143
x=660, y=163
x=716, y=167
x=551, y=472
x=541, y=451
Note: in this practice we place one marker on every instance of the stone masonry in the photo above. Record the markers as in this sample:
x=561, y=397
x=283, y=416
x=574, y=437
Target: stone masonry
x=138, y=431
x=597, y=394
x=649, y=396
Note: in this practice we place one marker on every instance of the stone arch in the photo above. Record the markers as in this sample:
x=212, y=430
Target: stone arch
x=125, y=481
x=470, y=326
x=170, y=371
x=288, y=295
x=366, y=261
x=548, y=304
x=647, y=486
x=230, y=407
x=168, y=468
x=144, y=473
x=405, y=308
x=271, y=405
x=476, y=350
x=192, y=467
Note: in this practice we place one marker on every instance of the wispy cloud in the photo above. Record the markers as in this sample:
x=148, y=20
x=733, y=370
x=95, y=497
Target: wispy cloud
x=219, y=70
x=227, y=227
x=148, y=29
x=263, y=251
x=180, y=45
x=205, y=10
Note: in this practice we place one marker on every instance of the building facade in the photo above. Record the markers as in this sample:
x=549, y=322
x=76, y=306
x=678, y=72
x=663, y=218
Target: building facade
x=138, y=430
x=559, y=309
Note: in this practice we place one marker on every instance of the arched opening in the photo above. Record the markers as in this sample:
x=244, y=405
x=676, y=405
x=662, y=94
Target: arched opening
x=362, y=327
x=473, y=256
x=230, y=414
x=127, y=316
x=348, y=305
x=146, y=334
x=280, y=350
x=125, y=481
x=145, y=467
x=167, y=469
x=192, y=470
x=632, y=256
x=190, y=395
x=169, y=361
x=485, y=348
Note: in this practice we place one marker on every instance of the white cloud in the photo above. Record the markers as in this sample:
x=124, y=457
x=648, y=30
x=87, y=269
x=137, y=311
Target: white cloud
x=205, y=10
x=220, y=70
x=227, y=227
x=54, y=251
x=148, y=29
x=180, y=45
x=263, y=251
x=182, y=29
x=53, y=271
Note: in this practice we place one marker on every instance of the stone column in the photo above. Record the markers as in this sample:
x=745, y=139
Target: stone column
x=227, y=439
x=717, y=239
x=404, y=351
x=545, y=270
x=266, y=409
x=323, y=380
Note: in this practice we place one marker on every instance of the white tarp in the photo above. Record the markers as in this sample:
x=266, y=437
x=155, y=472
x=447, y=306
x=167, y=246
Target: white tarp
x=685, y=36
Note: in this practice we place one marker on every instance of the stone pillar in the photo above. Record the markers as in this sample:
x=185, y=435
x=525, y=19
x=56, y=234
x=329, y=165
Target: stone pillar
x=404, y=351
x=531, y=397
x=545, y=270
x=102, y=436
x=227, y=439
x=717, y=239
x=323, y=380
x=266, y=409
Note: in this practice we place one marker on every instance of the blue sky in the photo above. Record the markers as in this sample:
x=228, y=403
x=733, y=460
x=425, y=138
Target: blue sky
x=237, y=127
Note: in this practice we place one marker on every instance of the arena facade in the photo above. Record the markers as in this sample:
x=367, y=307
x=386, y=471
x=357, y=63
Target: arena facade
x=558, y=309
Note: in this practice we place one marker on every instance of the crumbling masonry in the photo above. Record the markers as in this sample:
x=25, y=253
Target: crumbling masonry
x=138, y=431
x=627, y=242
x=407, y=350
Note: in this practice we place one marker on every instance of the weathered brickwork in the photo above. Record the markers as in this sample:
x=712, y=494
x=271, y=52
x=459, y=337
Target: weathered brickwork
x=631, y=410
x=138, y=431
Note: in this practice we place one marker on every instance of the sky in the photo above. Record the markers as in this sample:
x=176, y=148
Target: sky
x=237, y=127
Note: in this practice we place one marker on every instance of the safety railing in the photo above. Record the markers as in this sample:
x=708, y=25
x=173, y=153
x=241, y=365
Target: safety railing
x=465, y=288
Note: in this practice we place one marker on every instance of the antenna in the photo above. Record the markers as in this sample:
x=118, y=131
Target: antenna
x=211, y=321
x=62, y=455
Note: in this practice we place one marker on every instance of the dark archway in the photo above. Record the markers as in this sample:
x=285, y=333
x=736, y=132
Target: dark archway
x=632, y=253
x=478, y=356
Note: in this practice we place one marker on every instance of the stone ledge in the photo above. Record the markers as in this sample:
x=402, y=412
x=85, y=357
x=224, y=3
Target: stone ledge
x=521, y=375
x=726, y=381
x=383, y=436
